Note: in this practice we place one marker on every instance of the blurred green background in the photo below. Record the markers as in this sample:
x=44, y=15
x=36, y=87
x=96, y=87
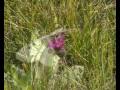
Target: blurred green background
x=91, y=43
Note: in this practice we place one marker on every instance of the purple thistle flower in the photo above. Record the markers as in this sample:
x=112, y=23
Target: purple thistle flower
x=57, y=43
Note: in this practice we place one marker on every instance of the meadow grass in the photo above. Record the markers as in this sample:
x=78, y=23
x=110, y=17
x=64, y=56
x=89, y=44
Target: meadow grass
x=91, y=43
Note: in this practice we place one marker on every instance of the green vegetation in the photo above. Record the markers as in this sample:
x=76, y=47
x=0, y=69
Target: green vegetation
x=90, y=44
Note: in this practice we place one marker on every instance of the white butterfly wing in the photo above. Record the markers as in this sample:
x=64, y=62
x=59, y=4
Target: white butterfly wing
x=40, y=52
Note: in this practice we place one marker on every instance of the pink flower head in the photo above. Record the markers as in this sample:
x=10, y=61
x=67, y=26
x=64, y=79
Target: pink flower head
x=57, y=42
